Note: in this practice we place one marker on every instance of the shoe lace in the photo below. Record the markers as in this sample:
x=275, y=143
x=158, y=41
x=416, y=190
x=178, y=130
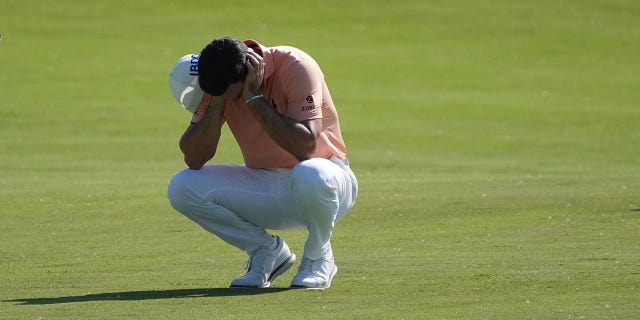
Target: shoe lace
x=306, y=265
x=256, y=258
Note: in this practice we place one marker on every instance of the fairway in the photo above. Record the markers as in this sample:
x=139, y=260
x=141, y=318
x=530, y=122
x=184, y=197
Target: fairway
x=496, y=143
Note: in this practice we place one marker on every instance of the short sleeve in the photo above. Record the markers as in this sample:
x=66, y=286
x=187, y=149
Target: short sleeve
x=304, y=90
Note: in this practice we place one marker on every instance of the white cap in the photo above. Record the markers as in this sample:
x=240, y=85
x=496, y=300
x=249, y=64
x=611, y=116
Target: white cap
x=183, y=81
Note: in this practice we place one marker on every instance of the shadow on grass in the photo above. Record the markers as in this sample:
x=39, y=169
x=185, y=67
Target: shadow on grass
x=150, y=295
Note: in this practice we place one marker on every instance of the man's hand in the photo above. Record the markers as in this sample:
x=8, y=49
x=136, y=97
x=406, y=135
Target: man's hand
x=255, y=74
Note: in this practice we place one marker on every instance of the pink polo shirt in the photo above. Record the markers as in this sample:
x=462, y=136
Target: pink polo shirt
x=295, y=87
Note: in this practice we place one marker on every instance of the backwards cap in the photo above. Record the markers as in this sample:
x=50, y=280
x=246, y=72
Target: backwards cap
x=183, y=81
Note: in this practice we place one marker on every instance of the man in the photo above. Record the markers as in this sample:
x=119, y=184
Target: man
x=280, y=111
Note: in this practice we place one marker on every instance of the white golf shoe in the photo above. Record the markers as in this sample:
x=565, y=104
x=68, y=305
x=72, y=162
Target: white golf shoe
x=316, y=274
x=265, y=264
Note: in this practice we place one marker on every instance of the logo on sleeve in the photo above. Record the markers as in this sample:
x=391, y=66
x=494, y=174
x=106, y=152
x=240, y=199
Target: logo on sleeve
x=310, y=106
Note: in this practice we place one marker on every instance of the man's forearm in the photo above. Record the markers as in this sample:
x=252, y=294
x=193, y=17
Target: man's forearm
x=297, y=138
x=200, y=141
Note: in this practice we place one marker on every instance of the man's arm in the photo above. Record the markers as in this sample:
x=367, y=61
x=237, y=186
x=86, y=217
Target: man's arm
x=200, y=141
x=298, y=138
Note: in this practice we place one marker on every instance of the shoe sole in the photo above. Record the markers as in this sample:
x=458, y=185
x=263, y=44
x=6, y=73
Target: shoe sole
x=333, y=274
x=282, y=268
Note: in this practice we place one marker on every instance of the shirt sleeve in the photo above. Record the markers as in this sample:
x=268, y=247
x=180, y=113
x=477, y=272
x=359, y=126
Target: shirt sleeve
x=304, y=90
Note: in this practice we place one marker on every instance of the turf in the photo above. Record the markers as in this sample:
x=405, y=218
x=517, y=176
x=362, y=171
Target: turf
x=496, y=144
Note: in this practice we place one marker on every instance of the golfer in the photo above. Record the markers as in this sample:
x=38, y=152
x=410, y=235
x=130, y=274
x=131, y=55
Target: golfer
x=295, y=174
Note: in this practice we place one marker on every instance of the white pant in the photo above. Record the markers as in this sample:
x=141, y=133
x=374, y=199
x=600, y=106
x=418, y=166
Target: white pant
x=237, y=203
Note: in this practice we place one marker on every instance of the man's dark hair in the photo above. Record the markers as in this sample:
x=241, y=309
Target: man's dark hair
x=221, y=63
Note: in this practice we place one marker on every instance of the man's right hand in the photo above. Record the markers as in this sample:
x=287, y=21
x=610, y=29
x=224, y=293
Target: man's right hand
x=202, y=108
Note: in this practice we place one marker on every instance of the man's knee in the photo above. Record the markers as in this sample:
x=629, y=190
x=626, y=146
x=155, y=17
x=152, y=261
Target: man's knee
x=311, y=177
x=179, y=192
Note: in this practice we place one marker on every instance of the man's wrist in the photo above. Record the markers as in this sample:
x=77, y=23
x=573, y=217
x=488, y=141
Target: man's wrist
x=214, y=110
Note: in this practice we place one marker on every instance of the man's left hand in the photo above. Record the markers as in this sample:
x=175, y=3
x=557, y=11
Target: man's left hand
x=255, y=73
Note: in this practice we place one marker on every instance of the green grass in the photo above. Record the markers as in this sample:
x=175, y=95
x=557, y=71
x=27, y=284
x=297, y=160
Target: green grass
x=496, y=144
